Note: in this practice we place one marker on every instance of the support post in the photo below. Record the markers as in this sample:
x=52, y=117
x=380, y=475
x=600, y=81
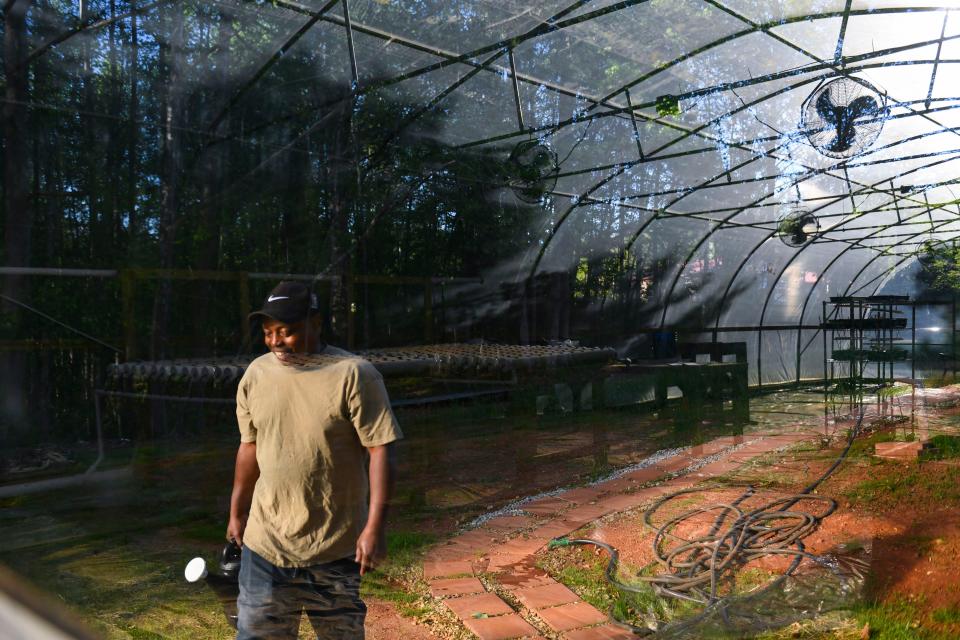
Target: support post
x=913, y=341
x=243, y=284
x=953, y=335
x=127, y=292
x=351, y=312
x=428, y=311
x=759, y=358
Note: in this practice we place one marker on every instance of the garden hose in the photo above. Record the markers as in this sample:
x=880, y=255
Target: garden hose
x=693, y=569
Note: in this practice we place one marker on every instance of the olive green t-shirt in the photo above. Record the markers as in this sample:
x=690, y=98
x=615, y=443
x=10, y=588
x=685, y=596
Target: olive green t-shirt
x=311, y=422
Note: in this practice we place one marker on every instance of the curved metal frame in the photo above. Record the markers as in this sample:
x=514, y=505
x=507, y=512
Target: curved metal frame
x=838, y=66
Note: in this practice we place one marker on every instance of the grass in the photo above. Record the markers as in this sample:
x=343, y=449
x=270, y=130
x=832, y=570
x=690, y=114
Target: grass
x=939, y=379
x=584, y=573
x=899, y=620
x=916, y=483
x=942, y=447
x=389, y=582
x=947, y=615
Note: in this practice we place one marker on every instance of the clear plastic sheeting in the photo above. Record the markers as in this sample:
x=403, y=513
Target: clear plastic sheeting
x=817, y=589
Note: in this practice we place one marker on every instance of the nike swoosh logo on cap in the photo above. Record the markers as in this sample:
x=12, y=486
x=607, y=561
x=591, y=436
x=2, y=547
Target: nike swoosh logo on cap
x=272, y=298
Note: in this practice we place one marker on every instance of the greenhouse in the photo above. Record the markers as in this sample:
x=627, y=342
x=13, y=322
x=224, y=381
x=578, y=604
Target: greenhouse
x=485, y=319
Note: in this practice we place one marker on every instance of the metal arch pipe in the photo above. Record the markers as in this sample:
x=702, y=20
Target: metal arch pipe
x=942, y=223
x=621, y=168
x=906, y=258
x=806, y=300
x=787, y=265
x=790, y=261
x=881, y=228
x=730, y=284
x=760, y=28
x=866, y=265
x=721, y=222
x=764, y=28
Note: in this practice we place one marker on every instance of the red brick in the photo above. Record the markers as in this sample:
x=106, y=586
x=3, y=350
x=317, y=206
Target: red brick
x=581, y=495
x=623, y=501
x=455, y=552
x=617, y=485
x=455, y=587
x=676, y=463
x=476, y=538
x=446, y=568
x=523, y=577
x=555, y=529
x=716, y=468
x=548, y=595
x=647, y=474
x=589, y=512
x=546, y=506
x=500, y=562
x=500, y=627
x=526, y=546
x=901, y=450
x=484, y=603
x=571, y=616
x=509, y=523
x=603, y=632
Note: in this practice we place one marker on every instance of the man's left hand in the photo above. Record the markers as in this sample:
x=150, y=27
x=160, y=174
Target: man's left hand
x=371, y=548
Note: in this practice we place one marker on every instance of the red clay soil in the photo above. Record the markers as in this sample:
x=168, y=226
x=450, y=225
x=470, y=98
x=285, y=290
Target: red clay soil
x=914, y=537
x=384, y=622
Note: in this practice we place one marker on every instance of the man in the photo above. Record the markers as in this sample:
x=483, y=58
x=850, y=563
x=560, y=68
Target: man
x=313, y=477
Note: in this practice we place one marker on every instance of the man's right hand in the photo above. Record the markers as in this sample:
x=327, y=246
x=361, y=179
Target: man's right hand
x=244, y=479
x=235, y=529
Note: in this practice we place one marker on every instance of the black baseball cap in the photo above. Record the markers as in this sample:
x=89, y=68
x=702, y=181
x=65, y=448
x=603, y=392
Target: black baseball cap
x=289, y=302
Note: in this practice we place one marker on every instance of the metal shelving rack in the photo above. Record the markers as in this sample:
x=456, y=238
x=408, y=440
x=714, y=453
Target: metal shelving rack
x=862, y=344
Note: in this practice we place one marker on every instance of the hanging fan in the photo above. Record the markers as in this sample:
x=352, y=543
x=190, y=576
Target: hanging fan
x=843, y=116
x=532, y=170
x=797, y=227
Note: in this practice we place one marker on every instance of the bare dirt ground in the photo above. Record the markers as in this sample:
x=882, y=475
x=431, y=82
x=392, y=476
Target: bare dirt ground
x=905, y=515
x=384, y=622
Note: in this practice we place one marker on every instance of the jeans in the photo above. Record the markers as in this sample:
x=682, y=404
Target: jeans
x=272, y=599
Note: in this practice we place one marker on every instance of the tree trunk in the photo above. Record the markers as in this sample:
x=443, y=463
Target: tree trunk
x=212, y=164
x=133, y=219
x=113, y=144
x=334, y=255
x=18, y=216
x=171, y=178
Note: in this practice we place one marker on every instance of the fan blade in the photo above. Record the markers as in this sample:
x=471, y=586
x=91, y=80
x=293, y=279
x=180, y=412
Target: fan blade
x=825, y=108
x=862, y=106
x=846, y=136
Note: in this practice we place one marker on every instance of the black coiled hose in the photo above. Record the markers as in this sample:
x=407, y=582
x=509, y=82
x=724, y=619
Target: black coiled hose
x=694, y=569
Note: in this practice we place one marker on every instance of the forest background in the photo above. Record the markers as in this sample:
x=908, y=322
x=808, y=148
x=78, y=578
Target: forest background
x=204, y=137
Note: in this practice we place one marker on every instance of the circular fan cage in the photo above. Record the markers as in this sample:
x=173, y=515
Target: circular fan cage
x=797, y=227
x=532, y=170
x=843, y=116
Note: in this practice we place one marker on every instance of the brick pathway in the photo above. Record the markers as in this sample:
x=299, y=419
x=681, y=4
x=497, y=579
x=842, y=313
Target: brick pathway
x=452, y=568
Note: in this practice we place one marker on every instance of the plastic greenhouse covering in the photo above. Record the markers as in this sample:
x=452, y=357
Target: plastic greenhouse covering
x=519, y=212
x=675, y=130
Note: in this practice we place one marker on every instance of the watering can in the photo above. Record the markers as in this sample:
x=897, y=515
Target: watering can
x=223, y=581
